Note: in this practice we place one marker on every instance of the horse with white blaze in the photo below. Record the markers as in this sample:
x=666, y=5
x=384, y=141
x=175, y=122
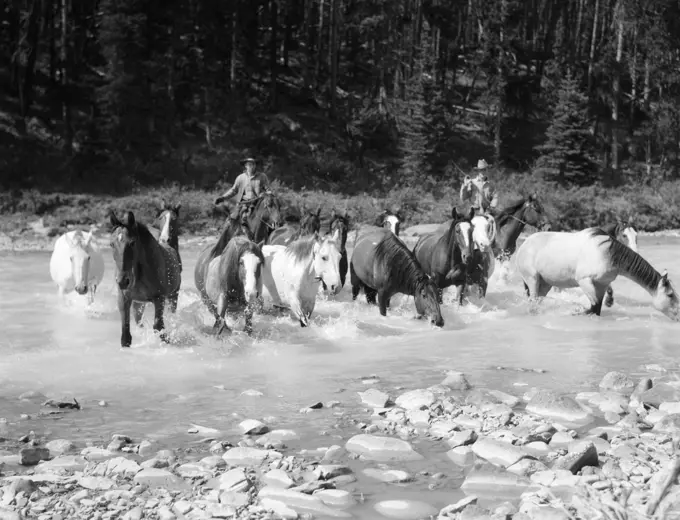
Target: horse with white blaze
x=590, y=259
x=293, y=273
x=77, y=264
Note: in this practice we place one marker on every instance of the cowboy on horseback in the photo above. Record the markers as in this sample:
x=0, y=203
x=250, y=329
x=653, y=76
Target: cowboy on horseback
x=248, y=187
x=479, y=192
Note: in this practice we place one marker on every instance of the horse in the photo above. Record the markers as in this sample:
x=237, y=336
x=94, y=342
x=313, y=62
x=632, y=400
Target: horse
x=263, y=217
x=168, y=233
x=482, y=262
x=339, y=228
x=77, y=263
x=590, y=259
x=511, y=220
x=232, y=281
x=293, y=273
x=389, y=220
x=445, y=253
x=147, y=270
x=618, y=231
x=309, y=224
x=382, y=265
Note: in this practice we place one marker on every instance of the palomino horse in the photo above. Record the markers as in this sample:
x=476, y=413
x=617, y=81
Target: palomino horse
x=590, y=259
x=309, y=224
x=168, y=233
x=146, y=271
x=77, y=263
x=444, y=254
x=293, y=273
x=482, y=262
x=382, y=265
x=233, y=282
x=264, y=216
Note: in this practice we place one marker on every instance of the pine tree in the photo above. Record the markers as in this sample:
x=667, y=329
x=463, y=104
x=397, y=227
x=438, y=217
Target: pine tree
x=566, y=154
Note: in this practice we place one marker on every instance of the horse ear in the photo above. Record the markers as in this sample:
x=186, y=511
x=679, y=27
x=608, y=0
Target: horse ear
x=130, y=218
x=346, y=215
x=113, y=219
x=163, y=205
x=664, y=277
x=471, y=214
x=69, y=240
x=261, y=243
x=178, y=206
x=318, y=211
x=88, y=238
x=454, y=213
x=333, y=214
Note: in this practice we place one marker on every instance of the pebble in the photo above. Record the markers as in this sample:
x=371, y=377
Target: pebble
x=380, y=448
x=405, y=509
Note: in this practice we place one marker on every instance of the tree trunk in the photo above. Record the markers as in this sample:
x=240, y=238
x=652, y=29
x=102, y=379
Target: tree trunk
x=593, y=42
x=29, y=46
x=65, y=82
x=645, y=101
x=334, y=57
x=319, y=50
x=273, y=54
x=234, y=49
x=616, y=87
x=633, y=80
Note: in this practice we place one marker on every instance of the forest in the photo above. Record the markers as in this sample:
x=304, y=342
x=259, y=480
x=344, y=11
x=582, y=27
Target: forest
x=394, y=99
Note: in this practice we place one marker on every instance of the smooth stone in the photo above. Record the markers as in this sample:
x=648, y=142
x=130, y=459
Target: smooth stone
x=561, y=440
x=160, y=478
x=213, y=462
x=93, y=454
x=388, y=475
x=70, y=463
x=506, y=399
x=462, y=456
x=536, y=448
x=96, y=483
x=234, y=498
x=405, y=509
x=253, y=427
x=496, y=483
x=418, y=417
x=122, y=466
x=249, y=456
x=60, y=447
x=415, y=400
x=278, y=478
x=335, y=452
x=564, y=409
x=279, y=508
x=618, y=382
x=381, y=449
x=456, y=381
x=443, y=428
x=32, y=456
x=234, y=480
x=374, y=398
x=301, y=502
x=191, y=470
x=277, y=436
x=336, y=497
x=497, y=452
x=462, y=438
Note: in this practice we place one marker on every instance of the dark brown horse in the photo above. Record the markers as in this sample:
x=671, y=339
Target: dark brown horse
x=390, y=220
x=511, y=221
x=146, y=271
x=167, y=217
x=444, y=254
x=264, y=216
x=309, y=224
x=620, y=232
x=339, y=224
x=382, y=265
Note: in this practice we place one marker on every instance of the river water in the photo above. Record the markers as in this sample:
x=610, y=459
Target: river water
x=157, y=391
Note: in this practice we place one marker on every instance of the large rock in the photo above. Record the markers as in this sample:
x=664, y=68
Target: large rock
x=160, y=478
x=552, y=405
x=495, y=482
x=388, y=475
x=381, y=449
x=249, y=456
x=405, y=509
x=276, y=437
x=374, y=398
x=278, y=478
x=618, y=382
x=68, y=463
x=301, y=502
x=234, y=480
x=456, y=381
x=122, y=466
x=496, y=452
x=253, y=427
x=659, y=393
x=415, y=400
x=32, y=456
x=60, y=447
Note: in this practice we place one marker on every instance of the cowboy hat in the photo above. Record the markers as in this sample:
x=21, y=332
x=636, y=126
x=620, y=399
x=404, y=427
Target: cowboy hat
x=247, y=160
x=481, y=165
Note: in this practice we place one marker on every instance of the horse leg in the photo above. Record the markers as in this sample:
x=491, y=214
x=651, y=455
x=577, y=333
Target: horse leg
x=595, y=293
x=172, y=300
x=370, y=294
x=124, y=310
x=382, y=302
x=609, y=298
x=440, y=295
x=138, y=311
x=248, y=313
x=354, y=280
x=343, y=268
x=93, y=290
x=221, y=311
x=158, y=325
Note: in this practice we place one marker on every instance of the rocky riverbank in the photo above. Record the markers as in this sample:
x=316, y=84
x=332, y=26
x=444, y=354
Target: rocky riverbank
x=610, y=453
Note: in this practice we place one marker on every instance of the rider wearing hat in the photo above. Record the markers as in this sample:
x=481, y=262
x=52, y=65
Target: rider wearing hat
x=478, y=191
x=248, y=187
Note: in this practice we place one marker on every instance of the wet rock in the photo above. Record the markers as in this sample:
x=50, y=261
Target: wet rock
x=276, y=437
x=278, y=478
x=561, y=440
x=252, y=393
x=443, y=428
x=122, y=466
x=160, y=478
x=537, y=448
x=527, y=467
x=248, y=456
x=204, y=431
x=93, y=454
x=462, y=438
x=618, y=382
x=462, y=456
x=96, y=483
x=336, y=498
x=405, y=509
x=382, y=449
x=388, y=475
x=234, y=499
x=497, y=452
x=279, y=508
x=669, y=424
x=326, y=471
x=506, y=399
x=335, y=452
x=487, y=481
x=550, y=404
x=253, y=427
x=60, y=447
x=374, y=398
x=659, y=393
x=301, y=502
x=213, y=462
x=415, y=400
x=234, y=480
x=32, y=456
x=146, y=448
x=454, y=509
x=193, y=471
x=418, y=417
x=456, y=381
x=68, y=463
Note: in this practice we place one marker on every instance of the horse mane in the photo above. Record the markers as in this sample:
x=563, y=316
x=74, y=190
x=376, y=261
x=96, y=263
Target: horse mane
x=629, y=262
x=612, y=229
x=302, y=248
x=236, y=248
x=227, y=234
x=508, y=211
x=400, y=262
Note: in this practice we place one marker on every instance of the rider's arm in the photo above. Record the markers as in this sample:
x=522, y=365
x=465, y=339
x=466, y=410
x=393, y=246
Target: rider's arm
x=233, y=190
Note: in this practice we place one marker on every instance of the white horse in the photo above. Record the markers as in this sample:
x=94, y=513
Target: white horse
x=293, y=273
x=482, y=263
x=631, y=236
x=590, y=259
x=77, y=263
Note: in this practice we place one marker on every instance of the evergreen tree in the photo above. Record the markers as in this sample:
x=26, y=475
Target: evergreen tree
x=566, y=154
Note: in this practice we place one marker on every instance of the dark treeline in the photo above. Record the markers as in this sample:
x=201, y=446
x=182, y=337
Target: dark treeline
x=358, y=92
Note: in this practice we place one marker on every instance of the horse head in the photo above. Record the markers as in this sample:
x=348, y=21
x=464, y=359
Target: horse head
x=390, y=220
x=311, y=222
x=483, y=231
x=427, y=301
x=125, y=245
x=250, y=266
x=326, y=262
x=168, y=215
x=339, y=227
x=534, y=214
x=267, y=211
x=631, y=236
x=79, y=255
x=665, y=299
x=463, y=233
